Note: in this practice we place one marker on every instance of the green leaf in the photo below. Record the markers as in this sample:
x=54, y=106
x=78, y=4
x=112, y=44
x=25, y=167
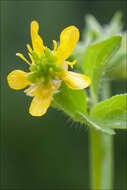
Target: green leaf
x=92, y=123
x=96, y=57
x=111, y=113
x=73, y=103
x=93, y=29
x=70, y=101
x=115, y=26
x=117, y=67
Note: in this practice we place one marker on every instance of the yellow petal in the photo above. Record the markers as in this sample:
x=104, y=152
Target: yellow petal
x=22, y=57
x=17, y=79
x=68, y=39
x=40, y=102
x=75, y=80
x=37, y=41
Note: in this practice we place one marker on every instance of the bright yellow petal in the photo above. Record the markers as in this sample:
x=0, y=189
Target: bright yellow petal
x=22, y=57
x=37, y=41
x=40, y=102
x=68, y=39
x=75, y=80
x=17, y=79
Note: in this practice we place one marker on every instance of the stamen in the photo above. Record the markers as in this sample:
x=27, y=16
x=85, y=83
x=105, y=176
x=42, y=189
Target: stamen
x=29, y=48
x=55, y=45
x=70, y=63
x=22, y=57
x=31, y=58
x=31, y=89
x=55, y=84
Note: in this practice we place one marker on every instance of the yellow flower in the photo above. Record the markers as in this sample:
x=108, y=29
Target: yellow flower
x=47, y=69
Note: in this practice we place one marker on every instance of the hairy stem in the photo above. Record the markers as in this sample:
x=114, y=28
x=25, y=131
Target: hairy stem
x=101, y=155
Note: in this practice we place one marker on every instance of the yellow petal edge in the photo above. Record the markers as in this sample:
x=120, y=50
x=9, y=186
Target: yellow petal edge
x=17, y=79
x=40, y=102
x=68, y=40
x=75, y=80
x=37, y=41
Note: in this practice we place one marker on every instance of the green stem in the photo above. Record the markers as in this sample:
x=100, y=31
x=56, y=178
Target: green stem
x=101, y=155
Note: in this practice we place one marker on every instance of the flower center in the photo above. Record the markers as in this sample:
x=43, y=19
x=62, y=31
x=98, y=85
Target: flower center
x=44, y=68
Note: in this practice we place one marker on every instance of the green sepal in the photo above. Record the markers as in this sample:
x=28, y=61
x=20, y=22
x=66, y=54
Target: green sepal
x=48, y=52
x=32, y=67
x=58, y=69
x=32, y=77
x=35, y=57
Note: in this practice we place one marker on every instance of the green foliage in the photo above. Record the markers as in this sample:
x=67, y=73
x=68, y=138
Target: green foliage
x=115, y=25
x=93, y=29
x=70, y=101
x=96, y=57
x=111, y=113
x=98, y=54
x=92, y=123
x=73, y=103
x=94, y=32
x=117, y=67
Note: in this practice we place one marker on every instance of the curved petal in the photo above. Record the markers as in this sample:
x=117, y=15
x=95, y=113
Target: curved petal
x=68, y=39
x=75, y=80
x=37, y=41
x=17, y=79
x=40, y=102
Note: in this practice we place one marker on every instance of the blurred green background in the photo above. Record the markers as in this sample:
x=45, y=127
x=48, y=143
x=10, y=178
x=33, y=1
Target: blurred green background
x=49, y=152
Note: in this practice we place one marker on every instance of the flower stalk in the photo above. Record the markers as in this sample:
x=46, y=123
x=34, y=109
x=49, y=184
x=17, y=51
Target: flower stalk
x=101, y=154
